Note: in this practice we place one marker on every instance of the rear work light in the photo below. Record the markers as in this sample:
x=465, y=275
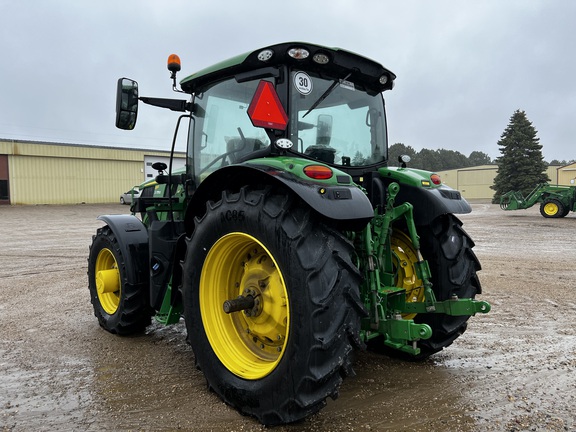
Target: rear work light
x=265, y=55
x=298, y=53
x=321, y=58
x=318, y=172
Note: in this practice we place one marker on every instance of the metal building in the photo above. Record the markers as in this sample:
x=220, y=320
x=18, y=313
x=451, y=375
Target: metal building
x=475, y=182
x=52, y=173
x=567, y=174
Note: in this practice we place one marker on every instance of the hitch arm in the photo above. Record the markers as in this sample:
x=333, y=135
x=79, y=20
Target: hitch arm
x=453, y=306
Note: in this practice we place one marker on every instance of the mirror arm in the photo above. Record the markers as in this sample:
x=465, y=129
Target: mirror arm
x=174, y=179
x=172, y=104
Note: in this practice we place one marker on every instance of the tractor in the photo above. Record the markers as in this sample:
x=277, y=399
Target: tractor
x=556, y=201
x=287, y=243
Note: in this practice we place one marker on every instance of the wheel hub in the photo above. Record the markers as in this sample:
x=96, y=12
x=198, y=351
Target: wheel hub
x=256, y=308
x=107, y=281
x=550, y=208
x=108, y=284
x=405, y=258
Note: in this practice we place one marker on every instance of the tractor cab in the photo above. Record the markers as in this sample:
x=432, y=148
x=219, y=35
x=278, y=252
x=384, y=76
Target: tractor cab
x=300, y=100
x=296, y=99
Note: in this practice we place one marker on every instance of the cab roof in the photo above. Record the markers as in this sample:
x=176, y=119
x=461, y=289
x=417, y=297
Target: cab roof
x=336, y=63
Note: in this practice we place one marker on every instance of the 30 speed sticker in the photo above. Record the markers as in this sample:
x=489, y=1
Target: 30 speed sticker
x=303, y=83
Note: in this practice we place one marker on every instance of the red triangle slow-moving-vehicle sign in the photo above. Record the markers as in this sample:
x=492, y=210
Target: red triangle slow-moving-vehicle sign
x=265, y=110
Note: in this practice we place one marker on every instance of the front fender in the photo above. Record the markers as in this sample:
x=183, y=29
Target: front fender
x=132, y=237
x=344, y=204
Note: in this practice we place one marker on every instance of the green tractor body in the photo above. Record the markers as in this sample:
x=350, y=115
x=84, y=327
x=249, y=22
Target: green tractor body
x=556, y=201
x=287, y=242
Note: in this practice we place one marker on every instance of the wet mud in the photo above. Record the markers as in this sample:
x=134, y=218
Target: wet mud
x=513, y=370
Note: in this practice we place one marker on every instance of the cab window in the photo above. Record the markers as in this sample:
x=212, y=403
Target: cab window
x=338, y=123
x=223, y=132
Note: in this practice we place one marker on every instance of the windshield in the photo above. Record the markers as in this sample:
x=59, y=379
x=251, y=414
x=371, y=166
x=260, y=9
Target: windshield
x=333, y=122
x=337, y=123
x=222, y=129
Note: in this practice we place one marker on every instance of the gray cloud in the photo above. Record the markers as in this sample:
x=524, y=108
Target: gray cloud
x=463, y=67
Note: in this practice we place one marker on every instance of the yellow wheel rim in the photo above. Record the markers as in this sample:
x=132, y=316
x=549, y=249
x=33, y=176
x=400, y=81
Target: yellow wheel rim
x=249, y=343
x=551, y=208
x=108, y=284
x=405, y=258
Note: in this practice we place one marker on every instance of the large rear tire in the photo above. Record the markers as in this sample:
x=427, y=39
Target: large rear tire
x=120, y=304
x=280, y=358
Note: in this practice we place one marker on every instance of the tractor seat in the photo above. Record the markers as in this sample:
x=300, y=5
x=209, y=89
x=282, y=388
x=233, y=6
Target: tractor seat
x=238, y=147
x=320, y=152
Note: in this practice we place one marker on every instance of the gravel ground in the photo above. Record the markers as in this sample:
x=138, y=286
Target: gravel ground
x=513, y=370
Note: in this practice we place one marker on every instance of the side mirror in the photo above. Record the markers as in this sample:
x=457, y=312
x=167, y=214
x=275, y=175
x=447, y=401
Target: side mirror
x=126, y=104
x=159, y=166
x=324, y=129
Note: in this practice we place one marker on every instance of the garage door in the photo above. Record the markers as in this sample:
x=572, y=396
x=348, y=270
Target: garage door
x=4, y=180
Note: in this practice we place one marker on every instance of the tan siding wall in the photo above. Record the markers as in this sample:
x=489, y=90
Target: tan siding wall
x=552, y=172
x=475, y=182
x=17, y=148
x=567, y=175
x=40, y=180
x=46, y=173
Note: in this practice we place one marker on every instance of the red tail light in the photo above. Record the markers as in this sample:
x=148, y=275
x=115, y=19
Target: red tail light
x=435, y=178
x=318, y=172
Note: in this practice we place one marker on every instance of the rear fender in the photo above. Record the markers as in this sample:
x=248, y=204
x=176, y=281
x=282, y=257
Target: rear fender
x=431, y=203
x=343, y=204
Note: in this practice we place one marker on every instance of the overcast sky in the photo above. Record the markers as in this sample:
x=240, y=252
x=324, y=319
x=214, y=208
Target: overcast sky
x=463, y=67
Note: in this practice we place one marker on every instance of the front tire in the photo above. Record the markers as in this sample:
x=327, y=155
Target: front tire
x=279, y=359
x=120, y=304
x=553, y=209
x=454, y=266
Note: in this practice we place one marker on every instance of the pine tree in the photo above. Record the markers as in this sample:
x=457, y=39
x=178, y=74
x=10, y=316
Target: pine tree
x=521, y=166
x=479, y=158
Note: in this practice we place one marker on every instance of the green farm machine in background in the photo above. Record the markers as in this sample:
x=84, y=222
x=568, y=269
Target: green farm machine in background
x=556, y=201
x=287, y=242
